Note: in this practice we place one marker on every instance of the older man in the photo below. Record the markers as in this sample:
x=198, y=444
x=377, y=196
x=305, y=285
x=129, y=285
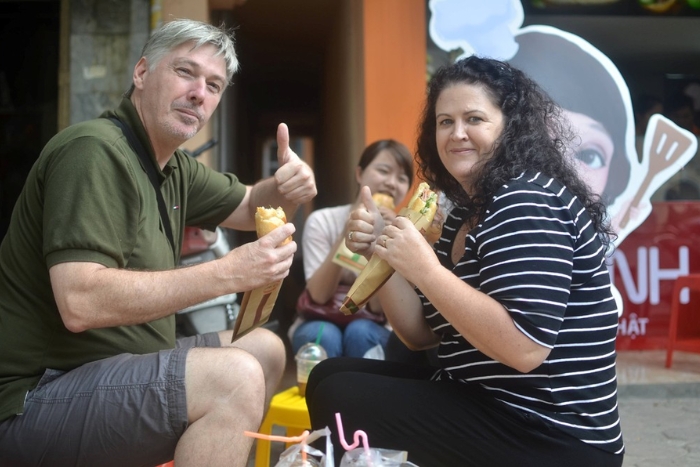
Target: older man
x=90, y=369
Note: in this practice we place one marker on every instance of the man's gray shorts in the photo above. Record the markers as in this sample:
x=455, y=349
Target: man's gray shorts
x=126, y=411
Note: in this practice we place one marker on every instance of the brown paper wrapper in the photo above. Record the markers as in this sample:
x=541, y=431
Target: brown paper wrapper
x=257, y=304
x=378, y=271
x=349, y=260
x=256, y=308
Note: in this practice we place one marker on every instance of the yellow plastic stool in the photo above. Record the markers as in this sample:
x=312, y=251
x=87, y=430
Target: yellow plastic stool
x=287, y=409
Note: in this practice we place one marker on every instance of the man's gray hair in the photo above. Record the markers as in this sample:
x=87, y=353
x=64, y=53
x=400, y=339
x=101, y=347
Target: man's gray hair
x=177, y=32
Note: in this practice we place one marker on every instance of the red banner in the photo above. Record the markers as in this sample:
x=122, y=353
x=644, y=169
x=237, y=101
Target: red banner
x=644, y=267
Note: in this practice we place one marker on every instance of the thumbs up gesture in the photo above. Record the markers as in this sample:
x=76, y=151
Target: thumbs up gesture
x=295, y=179
x=364, y=226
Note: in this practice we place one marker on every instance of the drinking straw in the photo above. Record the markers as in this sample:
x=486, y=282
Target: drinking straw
x=286, y=439
x=358, y=436
x=320, y=333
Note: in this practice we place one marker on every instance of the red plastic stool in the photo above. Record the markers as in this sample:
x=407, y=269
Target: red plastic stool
x=688, y=342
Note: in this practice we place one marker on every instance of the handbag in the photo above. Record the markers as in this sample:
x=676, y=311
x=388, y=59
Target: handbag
x=330, y=311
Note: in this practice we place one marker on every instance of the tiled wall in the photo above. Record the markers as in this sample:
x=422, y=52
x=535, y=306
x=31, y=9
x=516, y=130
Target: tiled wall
x=106, y=37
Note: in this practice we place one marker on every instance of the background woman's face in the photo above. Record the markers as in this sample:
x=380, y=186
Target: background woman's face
x=384, y=175
x=595, y=151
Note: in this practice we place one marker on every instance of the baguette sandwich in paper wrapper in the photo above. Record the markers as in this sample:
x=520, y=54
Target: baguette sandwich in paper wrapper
x=354, y=261
x=420, y=210
x=257, y=304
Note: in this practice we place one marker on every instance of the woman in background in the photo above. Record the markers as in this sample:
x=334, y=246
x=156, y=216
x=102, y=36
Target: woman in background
x=386, y=166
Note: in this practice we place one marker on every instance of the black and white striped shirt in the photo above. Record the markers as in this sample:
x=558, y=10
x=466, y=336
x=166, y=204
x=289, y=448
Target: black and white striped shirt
x=537, y=254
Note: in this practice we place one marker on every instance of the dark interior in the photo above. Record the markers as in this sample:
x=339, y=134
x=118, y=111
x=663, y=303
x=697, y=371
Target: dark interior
x=29, y=32
x=281, y=48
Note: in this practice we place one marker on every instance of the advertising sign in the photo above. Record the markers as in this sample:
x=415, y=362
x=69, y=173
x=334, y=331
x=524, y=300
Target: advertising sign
x=666, y=245
x=653, y=246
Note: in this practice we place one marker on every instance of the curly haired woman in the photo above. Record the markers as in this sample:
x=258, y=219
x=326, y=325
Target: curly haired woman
x=515, y=295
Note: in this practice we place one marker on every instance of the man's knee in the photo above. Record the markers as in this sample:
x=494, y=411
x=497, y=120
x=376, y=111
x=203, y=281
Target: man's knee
x=223, y=378
x=268, y=339
x=261, y=337
x=266, y=346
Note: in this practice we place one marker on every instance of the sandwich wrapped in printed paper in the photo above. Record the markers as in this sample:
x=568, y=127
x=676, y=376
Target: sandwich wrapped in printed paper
x=349, y=260
x=420, y=210
x=257, y=304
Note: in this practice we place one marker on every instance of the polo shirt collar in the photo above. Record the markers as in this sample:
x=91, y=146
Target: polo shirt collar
x=127, y=113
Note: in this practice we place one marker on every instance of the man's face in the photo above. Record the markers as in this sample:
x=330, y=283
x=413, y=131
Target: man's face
x=180, y=94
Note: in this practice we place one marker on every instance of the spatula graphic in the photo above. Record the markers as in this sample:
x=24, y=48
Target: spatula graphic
x=668, y=144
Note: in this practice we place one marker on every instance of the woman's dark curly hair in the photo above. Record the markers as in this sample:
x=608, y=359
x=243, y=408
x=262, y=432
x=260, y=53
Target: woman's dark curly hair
x=535, y=137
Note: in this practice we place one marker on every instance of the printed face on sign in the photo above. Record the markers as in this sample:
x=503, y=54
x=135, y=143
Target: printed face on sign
x=591, y=90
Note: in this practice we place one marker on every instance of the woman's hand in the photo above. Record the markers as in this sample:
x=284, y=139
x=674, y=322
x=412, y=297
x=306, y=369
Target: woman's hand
x=364, y=225
x=406, y=250
x=388, y=215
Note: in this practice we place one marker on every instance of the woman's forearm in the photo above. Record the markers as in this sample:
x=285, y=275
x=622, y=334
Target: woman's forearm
x=324, y=281
x=403, y=308
x=483, y=321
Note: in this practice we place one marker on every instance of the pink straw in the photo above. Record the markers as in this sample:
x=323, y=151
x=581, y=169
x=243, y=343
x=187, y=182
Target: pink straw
x=358, y=435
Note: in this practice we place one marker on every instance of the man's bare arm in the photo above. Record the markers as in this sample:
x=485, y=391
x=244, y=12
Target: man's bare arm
x=90, y=295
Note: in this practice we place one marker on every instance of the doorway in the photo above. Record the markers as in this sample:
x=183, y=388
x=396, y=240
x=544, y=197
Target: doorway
x=282, y=48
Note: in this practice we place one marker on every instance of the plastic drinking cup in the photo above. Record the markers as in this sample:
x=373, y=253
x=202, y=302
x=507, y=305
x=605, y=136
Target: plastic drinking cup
x=308, y=356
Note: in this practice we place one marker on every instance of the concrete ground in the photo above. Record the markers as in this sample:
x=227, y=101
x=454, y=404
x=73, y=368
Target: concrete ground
x=660, y=408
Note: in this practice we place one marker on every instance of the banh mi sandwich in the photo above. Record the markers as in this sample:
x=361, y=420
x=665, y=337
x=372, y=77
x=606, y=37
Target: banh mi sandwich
x=383, y=200
x=258, y=303
x=268, y=219
x=424, y=201
x=420, y=211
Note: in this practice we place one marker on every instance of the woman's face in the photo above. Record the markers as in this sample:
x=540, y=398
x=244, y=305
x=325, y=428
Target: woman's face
x=595, y=152
x=384, y=175
x=468, y=124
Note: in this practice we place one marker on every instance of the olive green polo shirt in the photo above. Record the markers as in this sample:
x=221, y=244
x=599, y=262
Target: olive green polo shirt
x=88, y=198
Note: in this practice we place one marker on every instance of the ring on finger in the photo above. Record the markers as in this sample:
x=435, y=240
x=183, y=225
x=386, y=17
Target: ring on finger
x=350, y=236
